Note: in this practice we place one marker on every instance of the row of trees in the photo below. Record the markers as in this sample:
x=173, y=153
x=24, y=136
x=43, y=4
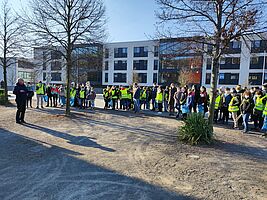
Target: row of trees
x=67, y=22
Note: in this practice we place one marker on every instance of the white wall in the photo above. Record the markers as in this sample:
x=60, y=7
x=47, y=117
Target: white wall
x=130, y=58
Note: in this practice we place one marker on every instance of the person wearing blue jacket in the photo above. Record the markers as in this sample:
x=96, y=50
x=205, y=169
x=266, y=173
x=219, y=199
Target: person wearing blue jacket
x=21, y=92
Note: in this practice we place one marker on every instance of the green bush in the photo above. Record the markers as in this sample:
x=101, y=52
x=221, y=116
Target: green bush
x=196, y=130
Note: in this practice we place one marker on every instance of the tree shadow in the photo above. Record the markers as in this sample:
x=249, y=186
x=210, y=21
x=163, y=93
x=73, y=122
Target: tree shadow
x=75, y=140
x=32, y=169
x=240, y=150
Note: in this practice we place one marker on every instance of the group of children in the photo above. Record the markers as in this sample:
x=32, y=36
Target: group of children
x=240, y=104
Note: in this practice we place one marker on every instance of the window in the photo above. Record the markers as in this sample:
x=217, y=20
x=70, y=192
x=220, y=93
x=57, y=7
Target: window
x=142, y=78
x=230, y=63
x=120, y=78
x=256, y=44
x=140, y=51
x=55, y=65
x=56, y=55
x=106, y=77
x=222, y=61
x=44, y=76
x=208, y=78
x=155, y=77
x=255, y=78
x=235, y=61
x=228, y=78
x=106, y=53
x=106, y=65
x=120, y=52
x=236, y=44
x=140, y=64
x=254, y=60
x=120, y=65
x=56, y=76
x=209, y=63
x=25, y=75
x=156, y=51
x=156, y=64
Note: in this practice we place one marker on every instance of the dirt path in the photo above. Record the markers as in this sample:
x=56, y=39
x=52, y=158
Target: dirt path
x=114, y=155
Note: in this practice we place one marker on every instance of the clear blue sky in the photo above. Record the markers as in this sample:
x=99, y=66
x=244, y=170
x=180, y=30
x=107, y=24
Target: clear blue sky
x=128, y=20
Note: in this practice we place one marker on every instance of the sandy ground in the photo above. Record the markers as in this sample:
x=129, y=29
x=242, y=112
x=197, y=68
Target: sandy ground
x=119, y=155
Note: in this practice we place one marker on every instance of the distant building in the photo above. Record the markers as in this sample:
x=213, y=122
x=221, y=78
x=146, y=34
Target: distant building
x=128, y=62
x=244, y=63
x=18, y=68
x=86, y=66
x=180, y=61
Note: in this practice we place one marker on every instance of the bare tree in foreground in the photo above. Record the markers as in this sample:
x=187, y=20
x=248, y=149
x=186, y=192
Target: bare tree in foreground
x=65, y=23
x=218, y=21
x=10, y=39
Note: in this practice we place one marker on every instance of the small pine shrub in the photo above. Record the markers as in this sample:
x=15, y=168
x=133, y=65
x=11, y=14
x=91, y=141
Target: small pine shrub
x=196, y=130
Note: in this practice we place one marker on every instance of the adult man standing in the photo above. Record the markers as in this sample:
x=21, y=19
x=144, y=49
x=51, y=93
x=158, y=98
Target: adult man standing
x=20, y=91
x=40, y=91
x=136, y=97
x=171, y=99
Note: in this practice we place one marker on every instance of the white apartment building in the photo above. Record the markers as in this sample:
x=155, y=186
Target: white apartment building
x=244, y=63
x=128, y=62
x=18, y=68
x=50, y=65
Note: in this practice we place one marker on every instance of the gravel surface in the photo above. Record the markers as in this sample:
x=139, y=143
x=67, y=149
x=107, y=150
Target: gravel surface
x=119, y=155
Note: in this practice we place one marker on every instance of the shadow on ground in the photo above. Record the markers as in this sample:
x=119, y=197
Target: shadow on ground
x=32, y=169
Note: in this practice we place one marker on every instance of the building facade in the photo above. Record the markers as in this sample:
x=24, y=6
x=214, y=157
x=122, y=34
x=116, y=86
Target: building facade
x=243, y=63
x=18, y=68
x=127, y=62
x=180, y=61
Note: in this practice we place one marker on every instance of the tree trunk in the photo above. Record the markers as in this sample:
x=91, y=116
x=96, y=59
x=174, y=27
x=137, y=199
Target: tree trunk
x=5, y=72
x=69, y=63
x=214, y=81
x=216, y=60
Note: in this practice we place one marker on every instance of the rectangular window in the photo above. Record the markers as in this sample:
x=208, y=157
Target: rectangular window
x=256, y=44
x=140, y=51
x=56, y=76
x=230, y=63
x=156, y=64
x=25, y=75
x=156, y=51
x=208, y=78
x=257, y=63
x=120, y=52
x=55, y=65
x=229, y=78
x=106, y=65
x=222, y=61
x=106, y=77
x=155, y=77
x=106, y=53
x=235, y=61
x=236, y=44
x=120, y=77
x=120, y=65
x=209, y=63
x=56, y=55
x=140, y=64
x=44, y=76
x=255, y=78
x=141, y=78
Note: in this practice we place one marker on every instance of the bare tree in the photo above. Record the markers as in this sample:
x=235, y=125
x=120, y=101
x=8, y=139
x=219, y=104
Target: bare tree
x=10, y=39
x=218, y=21
x=65, y=23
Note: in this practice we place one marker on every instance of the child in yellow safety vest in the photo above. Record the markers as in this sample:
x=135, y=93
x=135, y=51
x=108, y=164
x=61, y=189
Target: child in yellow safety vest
x=234, y=108
x=82, y=97
x=159, y=99
x=143, y=97
x=218, y=103
x=260, y=102
x=264, y=127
